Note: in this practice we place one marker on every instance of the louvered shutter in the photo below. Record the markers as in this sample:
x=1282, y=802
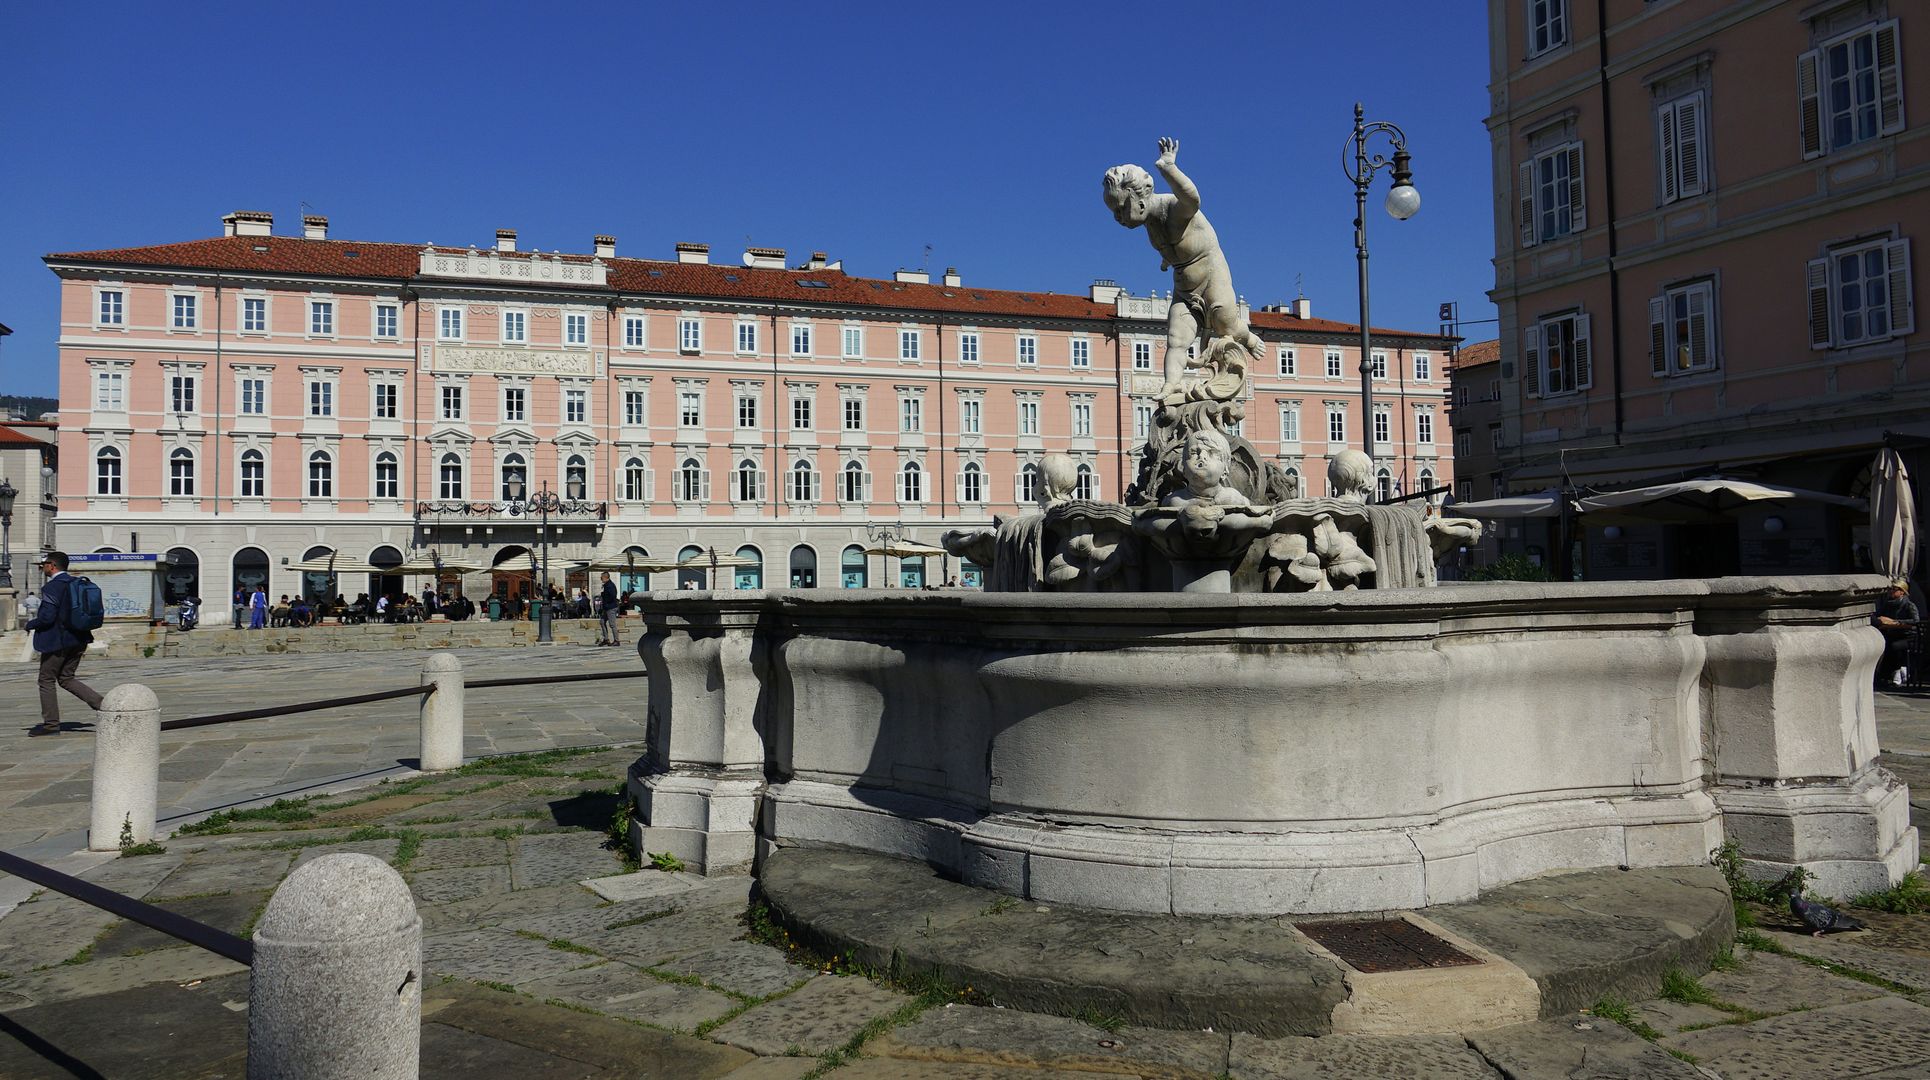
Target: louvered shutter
x=1889, y=80
x=1688, y=153
x=1577, y=211
x=1809, y=109
x=1526, y=193
x=763, y=490
x=703, y=481
x=1700, y=355
x=958, y=487
x=867, y=487
x=1531, y=361
x=1665, y=138
x=1817, y=281
x=1658, y=336
x=1584, y=370
x=650, y=485
x=1903, y=320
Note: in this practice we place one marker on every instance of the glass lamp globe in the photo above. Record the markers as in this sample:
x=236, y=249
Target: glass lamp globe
x=1403, y=201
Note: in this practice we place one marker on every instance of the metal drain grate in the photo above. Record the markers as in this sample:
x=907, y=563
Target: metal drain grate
x=1385, y=945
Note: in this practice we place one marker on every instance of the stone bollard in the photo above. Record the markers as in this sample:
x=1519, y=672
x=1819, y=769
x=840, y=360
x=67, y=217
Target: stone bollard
x=441, y=713
x=127, y=767
x=336, y=990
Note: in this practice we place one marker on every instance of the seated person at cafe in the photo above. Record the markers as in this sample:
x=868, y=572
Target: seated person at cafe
x=1895, y=617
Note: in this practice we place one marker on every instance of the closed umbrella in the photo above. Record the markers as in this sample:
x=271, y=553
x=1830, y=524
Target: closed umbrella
x=1893, y=517
x=1540, y=504
x=1710, y=499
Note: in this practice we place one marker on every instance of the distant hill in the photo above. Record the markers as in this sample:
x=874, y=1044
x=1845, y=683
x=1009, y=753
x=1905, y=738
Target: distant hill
x=27, y=408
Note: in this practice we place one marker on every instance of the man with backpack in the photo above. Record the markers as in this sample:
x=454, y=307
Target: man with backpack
x=69, y=613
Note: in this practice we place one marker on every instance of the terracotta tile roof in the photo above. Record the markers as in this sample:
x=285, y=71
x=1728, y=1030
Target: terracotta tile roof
x=1477, y=354
x=10, y=437
x=401, y=262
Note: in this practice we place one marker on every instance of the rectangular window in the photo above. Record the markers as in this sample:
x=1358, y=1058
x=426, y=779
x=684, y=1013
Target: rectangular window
x=1290, y=423
x=1556, y=356
x=690, y=408
x=183, y=312
x=515, y=405
x=449, y=324
x=1423, y=367
x=908, y=344
x=1463, y=442
x=1380, y=365
x=911, y=413
x=1678, y=141
x=747, y=337
x=1336, y=424
x=386, y=395
x=254, y=475
x=387, y=482
x=181, y=393
x=1029, y=417
x=1333, y=364
x=1682, y=329
x=968, y=416
x=515, y=328
x=1464, y=491
x=853, y=414
x=1859, y=293
x=254, y=396
x=1547, y=25
x=747, y=412
x=1424, y=427
x=968, y=348
x=321, y=397
x=1383, y=423
x=576, y=406
x=690, y=335
x=387, y=318
x=1494, y=437
x=576, y=329
x=1289, y=362
x=110, y=391
x=801, y=419
x=321, y=318
x=1142, y=356
x=1081, y=419
x=853, y=342
x=1142, y=420
x=800, y=339
x=633, y=408
x=452, y=403
x=1028, y=349
x=633, y=331
x=254, y=314
x=113, y=307
x=1551, y=195
x=1850, y=90
x=1081, y=353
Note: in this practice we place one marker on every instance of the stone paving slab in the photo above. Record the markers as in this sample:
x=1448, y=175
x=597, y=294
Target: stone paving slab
x=740, y=967
x=659, y=940
x=556, y=858
x=48, y=930
x=456, y=852
x=1857, y=951
x=229, y=872
x=458, y=883
x=233, y=912
x=775, y=1069
x=1565, y=1047
x=620, y=990
x=381, y=849
x=496, y=956
x=873, y=1069
x=69, y=981
x=817, y=1018
x=1842, y=1040
x=493, y=910
x=128, y=1034
x=1437, y=1057
x=591, y=1040
x=1011, y=1037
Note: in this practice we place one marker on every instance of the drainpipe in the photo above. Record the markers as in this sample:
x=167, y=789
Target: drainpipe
x=1119, y=400
x=939, y=475
x=1608, y=200
x=771, y=485
x=219, y=377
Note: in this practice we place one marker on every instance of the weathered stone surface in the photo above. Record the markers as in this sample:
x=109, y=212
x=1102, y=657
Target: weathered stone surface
x=1842, y=1040
x=625, y=1049
x=452, y=1053
x=640, y=885
x=1565, y=1047
x=556, y=858
x=450, y=852
x=120, y=972
x=1437, y=1057
x=742, y=967
x=228, y=872
x=587, y=921
x=496, y=956
x=1861, y=952
x=134, y=877
x=620, y=990
x=459, y=883
x=1769, y=983
x=229, y=911
x=46, y=930
x=381, y=849
x=129, y=1032
x=776, y=1068
x=877, y=1069
x=819, y=1017
x=1016, y=1038
x=651, y=943
x=494, y=909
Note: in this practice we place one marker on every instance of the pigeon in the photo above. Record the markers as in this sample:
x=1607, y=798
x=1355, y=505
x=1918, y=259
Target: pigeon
x=1820, y=918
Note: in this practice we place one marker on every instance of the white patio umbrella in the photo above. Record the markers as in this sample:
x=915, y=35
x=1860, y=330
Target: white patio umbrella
x=516, y=564
x=906, y=549
x=630, y=564
x=710, y=557
x=1706, y=499
x=1893, y=517
x=337, y=564
x=421, y=565
x=1540, y=504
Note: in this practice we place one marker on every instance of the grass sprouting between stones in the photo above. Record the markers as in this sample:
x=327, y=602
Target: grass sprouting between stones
x=1911, y=896
x=1618, y=1009
x=281, y=811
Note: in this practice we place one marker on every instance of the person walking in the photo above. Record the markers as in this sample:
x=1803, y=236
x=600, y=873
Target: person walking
x=258, y=609
x=606, y=610
x=60, y=646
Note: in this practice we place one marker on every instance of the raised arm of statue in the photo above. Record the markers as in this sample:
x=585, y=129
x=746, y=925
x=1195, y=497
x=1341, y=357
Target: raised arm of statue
x=1187, y=196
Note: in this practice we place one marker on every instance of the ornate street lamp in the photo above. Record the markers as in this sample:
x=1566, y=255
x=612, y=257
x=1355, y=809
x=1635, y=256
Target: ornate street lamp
x=543, y=502
x=1403, y=202
x=7, y=495
x=885, y=535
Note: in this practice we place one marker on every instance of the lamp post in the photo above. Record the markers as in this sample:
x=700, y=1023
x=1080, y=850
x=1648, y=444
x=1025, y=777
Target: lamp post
x=7, y=495
x=1403, y=202
x=543, y=502
x=884, y=536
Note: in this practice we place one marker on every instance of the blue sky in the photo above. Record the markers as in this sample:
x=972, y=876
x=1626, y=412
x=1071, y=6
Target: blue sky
x=867, y=130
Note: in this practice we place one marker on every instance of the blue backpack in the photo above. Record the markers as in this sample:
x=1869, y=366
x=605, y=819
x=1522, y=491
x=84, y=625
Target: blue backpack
x=85, y=609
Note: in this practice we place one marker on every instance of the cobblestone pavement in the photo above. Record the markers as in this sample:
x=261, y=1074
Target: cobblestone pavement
x=45, y=783
x=546, y=959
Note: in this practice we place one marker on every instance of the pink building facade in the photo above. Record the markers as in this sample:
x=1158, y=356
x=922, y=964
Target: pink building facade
x=251, y=400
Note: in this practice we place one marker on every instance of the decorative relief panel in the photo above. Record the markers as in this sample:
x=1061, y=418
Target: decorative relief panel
x=513, y=266
x=523, y=361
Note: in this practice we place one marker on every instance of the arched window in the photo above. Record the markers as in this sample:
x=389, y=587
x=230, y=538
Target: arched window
x=321, y=475
x=388, y=484
x=1293, y=481
x=254, y=475
x=250, y=569
x=911, y=483
x=1427, y=484
x=971, y=484
x=851, y=488
x=804, y=567
x=385, y=580
x=1085, y=487
x=804, y=483
x=911, y=572
x=751, y=574
x=851, y=567
x=318, y=584
x=691, y=484
x=183, y=577
x=1383, y=485
x=635, y=478
x=181, y=471
x=515, y=478
x=1028, y=484
x=107, y=471
x=749, y=482
x=629, y=581
x=691, y=577
x=449, y=472
x=576, y=478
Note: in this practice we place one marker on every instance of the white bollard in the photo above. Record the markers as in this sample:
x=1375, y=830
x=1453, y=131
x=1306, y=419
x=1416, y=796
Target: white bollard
x=127, y=767
x=336, y=989
x=441, y=713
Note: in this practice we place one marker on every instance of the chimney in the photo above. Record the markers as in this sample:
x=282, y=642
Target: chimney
x=1302, y=308
x=314, y=227
x=914, y=277
x=248, y=223
x=815, y=262
x=505, y=239
x=764, y=258
x=951, y=277
x=1105, y=291
x=693, y=253
x=606, y=246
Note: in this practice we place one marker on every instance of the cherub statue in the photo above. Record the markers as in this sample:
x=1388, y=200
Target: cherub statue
x=1350, y=476
x=1204, y=463
x=1202, y=283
